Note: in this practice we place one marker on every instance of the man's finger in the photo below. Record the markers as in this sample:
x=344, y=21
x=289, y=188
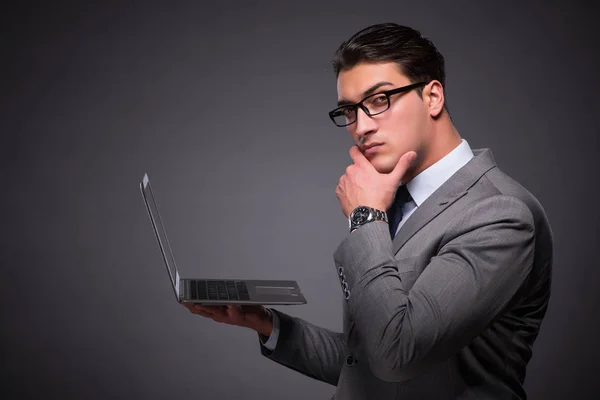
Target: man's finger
x=201, y=313
x=233, y=310
x=196, y=309
x=359, y=158
x=402, y=166
x=215, y=311
x=210, y=308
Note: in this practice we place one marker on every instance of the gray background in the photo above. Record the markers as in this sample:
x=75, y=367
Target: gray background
x=225, y=106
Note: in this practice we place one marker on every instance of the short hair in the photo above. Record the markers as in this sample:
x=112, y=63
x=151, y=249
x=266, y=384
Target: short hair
x=416, y=56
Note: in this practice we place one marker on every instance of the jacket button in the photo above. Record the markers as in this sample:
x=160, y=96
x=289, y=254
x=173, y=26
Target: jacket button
x=346, y=294
x=349, y=360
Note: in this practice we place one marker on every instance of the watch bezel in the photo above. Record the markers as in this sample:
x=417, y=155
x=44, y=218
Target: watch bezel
x=353, y=223
x=361, y=210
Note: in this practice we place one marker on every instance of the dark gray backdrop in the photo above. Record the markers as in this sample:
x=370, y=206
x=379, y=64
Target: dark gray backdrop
x=225, y=106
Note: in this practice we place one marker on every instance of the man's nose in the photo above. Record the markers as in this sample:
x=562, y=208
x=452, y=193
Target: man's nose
x=364, y=123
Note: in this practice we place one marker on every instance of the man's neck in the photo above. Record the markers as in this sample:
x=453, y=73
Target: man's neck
x=445, y=139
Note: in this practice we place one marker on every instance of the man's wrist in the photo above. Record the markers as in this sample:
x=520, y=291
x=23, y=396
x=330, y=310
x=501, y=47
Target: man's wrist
x=265, y=328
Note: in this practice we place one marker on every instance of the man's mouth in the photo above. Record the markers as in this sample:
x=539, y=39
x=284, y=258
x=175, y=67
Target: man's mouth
x=371, y=148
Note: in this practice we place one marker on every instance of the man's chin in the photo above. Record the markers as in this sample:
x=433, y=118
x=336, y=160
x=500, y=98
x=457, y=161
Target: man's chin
x=382, y=164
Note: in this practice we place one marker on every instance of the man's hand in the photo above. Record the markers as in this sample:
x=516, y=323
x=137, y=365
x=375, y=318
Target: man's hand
x=363, y=185
x=256, y=318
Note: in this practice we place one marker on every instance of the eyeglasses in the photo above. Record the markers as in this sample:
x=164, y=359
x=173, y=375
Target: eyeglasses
x=372, y=105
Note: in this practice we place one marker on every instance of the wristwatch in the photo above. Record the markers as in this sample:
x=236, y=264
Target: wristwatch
x=362, y=215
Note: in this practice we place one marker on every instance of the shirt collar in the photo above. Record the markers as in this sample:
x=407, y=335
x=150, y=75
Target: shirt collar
x=428, y=181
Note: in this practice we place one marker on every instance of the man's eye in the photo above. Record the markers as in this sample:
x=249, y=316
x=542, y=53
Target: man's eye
x=382, y=99
x=348, y=111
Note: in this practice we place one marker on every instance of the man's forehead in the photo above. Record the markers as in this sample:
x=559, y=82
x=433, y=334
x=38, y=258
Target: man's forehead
x=354, y=82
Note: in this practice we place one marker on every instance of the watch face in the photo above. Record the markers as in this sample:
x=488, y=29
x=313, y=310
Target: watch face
x=360, y=215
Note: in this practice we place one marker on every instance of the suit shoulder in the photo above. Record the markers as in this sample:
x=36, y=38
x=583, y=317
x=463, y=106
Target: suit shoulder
x=497, y=182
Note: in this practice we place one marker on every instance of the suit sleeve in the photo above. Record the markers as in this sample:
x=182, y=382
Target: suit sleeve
x=311, y=350
x=484, y=257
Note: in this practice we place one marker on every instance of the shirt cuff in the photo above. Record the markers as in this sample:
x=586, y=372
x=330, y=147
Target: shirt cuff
x=272, y=341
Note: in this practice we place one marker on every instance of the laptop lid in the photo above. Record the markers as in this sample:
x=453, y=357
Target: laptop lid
x=161, y=234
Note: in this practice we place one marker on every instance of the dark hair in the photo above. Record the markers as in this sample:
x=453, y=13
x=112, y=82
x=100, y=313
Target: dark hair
x=416, y=56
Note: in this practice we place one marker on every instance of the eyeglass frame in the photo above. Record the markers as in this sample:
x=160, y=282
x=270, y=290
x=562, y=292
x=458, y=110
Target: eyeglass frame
x=360, y=104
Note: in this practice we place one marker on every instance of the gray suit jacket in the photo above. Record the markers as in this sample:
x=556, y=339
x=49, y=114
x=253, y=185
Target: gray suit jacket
x=447, y=310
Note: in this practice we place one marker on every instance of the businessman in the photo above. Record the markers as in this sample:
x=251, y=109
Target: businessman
x=446, y=269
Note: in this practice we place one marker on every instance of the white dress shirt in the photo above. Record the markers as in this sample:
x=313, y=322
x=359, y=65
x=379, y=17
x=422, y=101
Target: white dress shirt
x=420, y=188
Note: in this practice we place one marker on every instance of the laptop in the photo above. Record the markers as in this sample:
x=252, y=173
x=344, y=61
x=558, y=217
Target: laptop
x=217, y=291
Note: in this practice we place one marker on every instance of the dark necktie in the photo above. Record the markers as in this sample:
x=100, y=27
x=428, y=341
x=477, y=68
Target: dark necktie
x=395, y=211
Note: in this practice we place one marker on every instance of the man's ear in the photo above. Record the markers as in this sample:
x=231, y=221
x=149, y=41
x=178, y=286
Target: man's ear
x=433, y=96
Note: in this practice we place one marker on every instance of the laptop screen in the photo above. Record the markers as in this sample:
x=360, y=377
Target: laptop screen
x=161, y=234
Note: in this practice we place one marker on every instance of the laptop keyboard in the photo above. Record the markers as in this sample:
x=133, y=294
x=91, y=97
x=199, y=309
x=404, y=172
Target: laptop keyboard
x=218, y=290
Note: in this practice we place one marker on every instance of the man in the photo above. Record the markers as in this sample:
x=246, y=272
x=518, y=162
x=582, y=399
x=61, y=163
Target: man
x=446, y=269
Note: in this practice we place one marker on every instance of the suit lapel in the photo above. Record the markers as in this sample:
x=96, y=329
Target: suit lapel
x=450, y=191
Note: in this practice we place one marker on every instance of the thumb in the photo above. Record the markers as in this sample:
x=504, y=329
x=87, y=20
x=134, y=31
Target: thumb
x=402, y=166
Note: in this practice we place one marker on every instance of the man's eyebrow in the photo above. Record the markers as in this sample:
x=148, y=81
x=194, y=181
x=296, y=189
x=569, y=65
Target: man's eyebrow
x=369, y=91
